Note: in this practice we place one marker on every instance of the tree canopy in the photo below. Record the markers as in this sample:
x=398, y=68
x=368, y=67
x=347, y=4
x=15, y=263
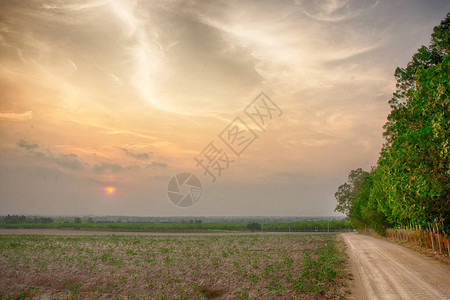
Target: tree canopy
x=410, y=185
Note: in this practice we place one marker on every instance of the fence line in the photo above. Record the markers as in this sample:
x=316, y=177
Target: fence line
x=424, y=238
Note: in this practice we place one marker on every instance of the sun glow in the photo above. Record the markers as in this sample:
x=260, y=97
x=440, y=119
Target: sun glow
x=110, y=190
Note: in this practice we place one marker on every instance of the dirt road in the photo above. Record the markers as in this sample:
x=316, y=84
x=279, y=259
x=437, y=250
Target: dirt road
x=384, y=270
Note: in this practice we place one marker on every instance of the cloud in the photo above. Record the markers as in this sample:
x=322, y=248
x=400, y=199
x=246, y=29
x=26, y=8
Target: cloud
x=40, y=154
x=171, y=48
x=105, y=166
x=68, y=66
x=113, y=167
x=24, y=144
x=136, y=155
x=69, y=161
x=16, y=117
x=335, y=10
x=156, y=164
x=72, y=162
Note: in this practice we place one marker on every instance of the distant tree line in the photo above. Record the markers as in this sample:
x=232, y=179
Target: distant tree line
x=16, y=219
x=305, y=226
x=191, y=221
x=410, y=186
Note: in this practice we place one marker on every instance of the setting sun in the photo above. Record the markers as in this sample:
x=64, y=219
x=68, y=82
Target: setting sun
x=110, y=190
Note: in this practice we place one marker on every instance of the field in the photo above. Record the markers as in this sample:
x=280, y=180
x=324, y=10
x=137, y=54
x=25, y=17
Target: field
x=300, y=226
x=269, y=266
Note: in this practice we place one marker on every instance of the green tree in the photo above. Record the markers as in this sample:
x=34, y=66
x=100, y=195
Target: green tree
x=254, y=226
x=414, y=162
x=347, y=194
x=411, y=183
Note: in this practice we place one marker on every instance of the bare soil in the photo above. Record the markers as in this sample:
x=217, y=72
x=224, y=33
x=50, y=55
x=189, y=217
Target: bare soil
x=94, y=265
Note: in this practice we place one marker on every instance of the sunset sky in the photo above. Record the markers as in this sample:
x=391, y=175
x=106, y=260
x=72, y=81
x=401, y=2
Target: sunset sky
x=103, y=102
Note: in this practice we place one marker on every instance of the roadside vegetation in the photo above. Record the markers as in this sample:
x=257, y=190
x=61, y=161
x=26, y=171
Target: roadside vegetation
x=410, y=186
x=173, y=267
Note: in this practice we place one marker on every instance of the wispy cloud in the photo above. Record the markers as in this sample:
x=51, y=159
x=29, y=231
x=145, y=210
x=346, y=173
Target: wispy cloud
x=73, y=64
x=334, y=10
x=127, y=132
x=156, y=164
x=16, y=116
x=136, y=155
x=75, y=6
x=107, y=89
x=146, y=54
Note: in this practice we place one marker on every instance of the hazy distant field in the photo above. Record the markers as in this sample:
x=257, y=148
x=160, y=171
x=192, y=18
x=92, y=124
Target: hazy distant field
x=307, y=226
x=172, y=267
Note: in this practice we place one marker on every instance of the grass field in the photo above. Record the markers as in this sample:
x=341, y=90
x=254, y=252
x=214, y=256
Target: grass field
x=309, y=226
x=288, y=266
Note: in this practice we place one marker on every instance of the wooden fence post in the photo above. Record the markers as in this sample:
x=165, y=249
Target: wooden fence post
x=432, y=242
x=439, y=242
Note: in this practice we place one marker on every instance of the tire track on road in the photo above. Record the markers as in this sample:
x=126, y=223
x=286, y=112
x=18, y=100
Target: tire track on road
x=384, y=270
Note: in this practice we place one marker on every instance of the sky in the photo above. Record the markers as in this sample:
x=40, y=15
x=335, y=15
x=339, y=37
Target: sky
x=104, y=102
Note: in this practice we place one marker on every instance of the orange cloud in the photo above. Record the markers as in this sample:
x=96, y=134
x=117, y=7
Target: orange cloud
x=15, y=116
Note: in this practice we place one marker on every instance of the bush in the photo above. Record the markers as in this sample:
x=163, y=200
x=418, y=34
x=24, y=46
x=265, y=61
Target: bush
x=254, y=226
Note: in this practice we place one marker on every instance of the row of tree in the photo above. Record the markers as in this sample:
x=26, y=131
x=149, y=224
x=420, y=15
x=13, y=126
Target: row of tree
x=16, y=219
x=410, y=186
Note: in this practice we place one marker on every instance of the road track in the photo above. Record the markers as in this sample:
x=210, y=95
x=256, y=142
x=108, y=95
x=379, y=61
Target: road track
x=384, y=270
